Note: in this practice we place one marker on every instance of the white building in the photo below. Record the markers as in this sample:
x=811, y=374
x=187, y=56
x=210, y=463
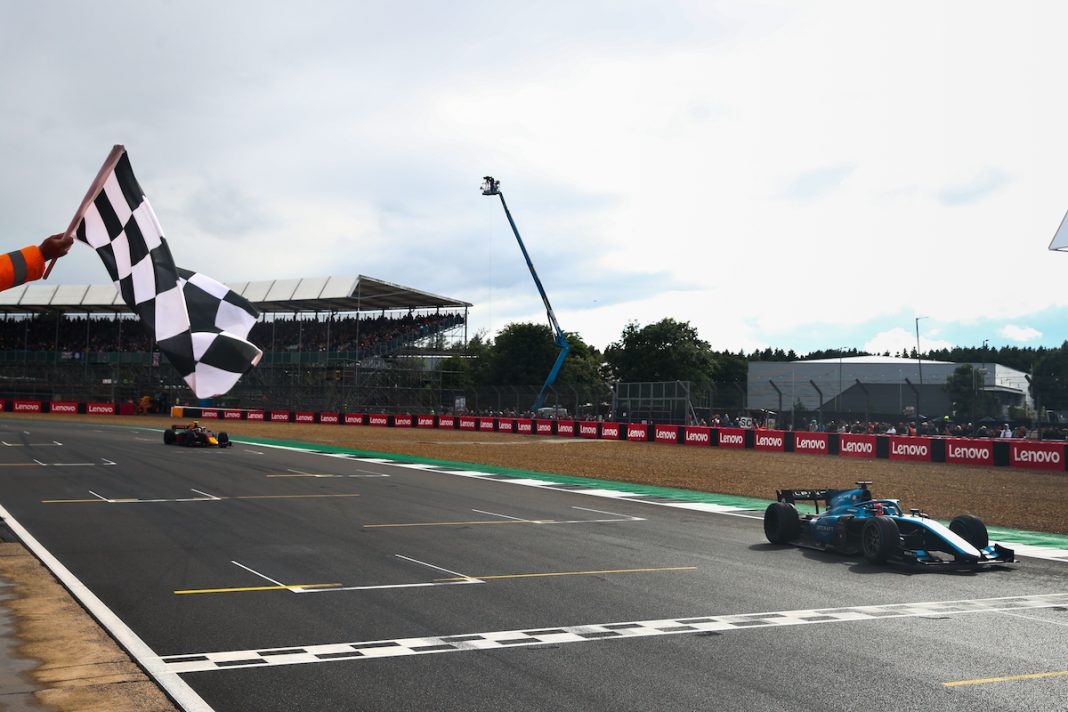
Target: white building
x=878, y=385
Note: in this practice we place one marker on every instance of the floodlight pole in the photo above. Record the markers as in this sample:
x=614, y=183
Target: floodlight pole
x=490, y=186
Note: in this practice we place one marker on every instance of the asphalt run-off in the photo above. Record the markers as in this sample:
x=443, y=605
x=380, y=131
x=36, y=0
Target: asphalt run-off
x=271, y=578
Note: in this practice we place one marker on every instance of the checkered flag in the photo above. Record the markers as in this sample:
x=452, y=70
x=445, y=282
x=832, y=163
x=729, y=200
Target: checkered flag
x=199, y=325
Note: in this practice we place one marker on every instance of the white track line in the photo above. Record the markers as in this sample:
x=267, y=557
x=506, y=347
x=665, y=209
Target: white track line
x=503, y=516
x=556, y=635
x=257, y=573
x=438, y=568
x=169, y=680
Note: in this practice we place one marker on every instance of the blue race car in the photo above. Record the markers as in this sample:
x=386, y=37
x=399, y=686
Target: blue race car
x=855, y=523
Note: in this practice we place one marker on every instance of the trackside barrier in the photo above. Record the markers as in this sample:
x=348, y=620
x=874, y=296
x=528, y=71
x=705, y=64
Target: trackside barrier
x=1026, y=454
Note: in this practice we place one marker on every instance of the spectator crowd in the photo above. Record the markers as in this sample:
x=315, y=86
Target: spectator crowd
x=77, y=334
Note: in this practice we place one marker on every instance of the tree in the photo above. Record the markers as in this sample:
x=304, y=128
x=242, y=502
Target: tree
x=523, y=354
x=964, y=388
x=1049, y=381
x=668, y=350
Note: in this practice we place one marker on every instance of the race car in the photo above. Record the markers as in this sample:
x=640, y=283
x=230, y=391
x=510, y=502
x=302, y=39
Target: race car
x=855, y=523
x=194, y=436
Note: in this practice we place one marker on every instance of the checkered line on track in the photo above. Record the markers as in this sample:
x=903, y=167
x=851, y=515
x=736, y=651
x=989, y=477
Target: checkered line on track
x=295, y=655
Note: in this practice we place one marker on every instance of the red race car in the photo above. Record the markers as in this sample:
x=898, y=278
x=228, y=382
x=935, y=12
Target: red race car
x=194, y=436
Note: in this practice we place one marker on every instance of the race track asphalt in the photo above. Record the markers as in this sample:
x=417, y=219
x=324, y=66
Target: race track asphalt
x=316, y=582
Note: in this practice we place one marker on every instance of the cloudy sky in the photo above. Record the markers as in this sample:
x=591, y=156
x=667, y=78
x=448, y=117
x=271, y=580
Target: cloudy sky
x=799, y=175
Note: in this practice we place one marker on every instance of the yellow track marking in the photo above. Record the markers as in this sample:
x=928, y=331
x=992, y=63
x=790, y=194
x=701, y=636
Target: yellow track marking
x=20, y=464
x=1007, y=678
x=56, y=501
x=573, y=573
x=256, y=588
x=453, y=524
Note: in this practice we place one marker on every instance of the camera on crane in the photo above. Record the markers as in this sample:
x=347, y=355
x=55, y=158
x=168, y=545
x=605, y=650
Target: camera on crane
x=490, y=186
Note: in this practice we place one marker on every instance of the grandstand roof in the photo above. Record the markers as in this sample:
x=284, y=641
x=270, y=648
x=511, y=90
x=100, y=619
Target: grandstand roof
x=343, y=294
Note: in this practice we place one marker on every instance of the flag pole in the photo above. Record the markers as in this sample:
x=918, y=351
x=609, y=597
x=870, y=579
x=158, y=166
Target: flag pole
x=94, y=190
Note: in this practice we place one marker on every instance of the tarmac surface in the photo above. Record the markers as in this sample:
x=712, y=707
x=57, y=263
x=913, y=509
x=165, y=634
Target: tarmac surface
x=270, y=579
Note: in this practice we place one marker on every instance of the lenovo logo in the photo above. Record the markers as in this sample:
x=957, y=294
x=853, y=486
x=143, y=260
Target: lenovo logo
x=280, y=415
x=1038, y=456
x=909, y=449
x=859, y=448
x=305, y=418
x=810, y=444
x=565, y=429
x=353, y=419
x=590, y=430
x=64, y=408
x=968, y=453
x=209, y=414
x=610, y=431
x=328, y=417
x=231, y=415
x=378, y=420
x=698, y=437
x=254, y=415
x=731, y=439
x=485, y=424
x=402, y=421
x=101, y=408
x=768, y=441
x=425, y=421
x=28, y=407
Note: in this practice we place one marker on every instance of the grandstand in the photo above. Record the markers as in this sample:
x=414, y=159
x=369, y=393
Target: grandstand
x=329, y=342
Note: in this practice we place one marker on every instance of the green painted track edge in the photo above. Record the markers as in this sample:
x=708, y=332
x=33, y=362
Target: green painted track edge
x=1057, y=541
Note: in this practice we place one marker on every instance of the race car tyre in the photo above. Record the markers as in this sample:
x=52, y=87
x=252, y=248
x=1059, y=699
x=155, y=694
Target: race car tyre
x=224, y=440
x=971, y=529
x=168, y=437
x=781, y=523
x=879, y=539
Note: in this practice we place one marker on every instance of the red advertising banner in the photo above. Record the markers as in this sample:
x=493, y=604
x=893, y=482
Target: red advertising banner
x=611, y=431
x=565, y=428
x=209, y=414
x=666, y=433
x=856, y=445
x=231, y=414
x=447, y=422
x=543, y=427
x=588, y=429
x=969, y=451
x=524, y=426
x=379, y=420
x=1036, y=455
x=304, y=416
x=468, y=422
x=26, y=406
x=355, y=418
x=769, y=440
x=485, y=424
x=637, y=431
x=63, y=407
x=328, y=418
x=100, y=408
x=903, y=447
x=255, y=415
x=403, y=421
x=811, y=443
x=697, y=435
x=279, y=416
x=505, y=425
x=732, y=437
x=424, y=421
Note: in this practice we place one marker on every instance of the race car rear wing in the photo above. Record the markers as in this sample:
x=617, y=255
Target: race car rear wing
x=805, y=495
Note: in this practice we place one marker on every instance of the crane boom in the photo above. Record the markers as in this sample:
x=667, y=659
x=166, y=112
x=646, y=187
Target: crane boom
x=490, y=186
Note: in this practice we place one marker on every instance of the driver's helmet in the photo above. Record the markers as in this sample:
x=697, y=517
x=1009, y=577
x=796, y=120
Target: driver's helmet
x=196, y=423
x=877, y=509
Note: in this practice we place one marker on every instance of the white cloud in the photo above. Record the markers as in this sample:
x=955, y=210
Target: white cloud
x=1012, y=332
x=901, y=340
x=786, y=160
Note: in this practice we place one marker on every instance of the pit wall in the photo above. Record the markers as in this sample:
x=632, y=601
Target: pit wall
x=1027, y=454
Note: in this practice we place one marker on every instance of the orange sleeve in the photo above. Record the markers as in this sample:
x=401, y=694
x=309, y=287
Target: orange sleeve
x=21, y=266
